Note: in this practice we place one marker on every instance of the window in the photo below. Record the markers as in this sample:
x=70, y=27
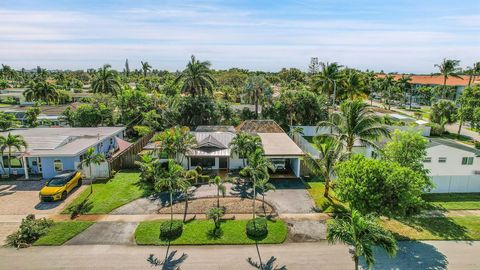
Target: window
x=427, y=160
x=203, y=162
x=467, y=160
x=16, y=162
x=442, y=160
x=58, y=165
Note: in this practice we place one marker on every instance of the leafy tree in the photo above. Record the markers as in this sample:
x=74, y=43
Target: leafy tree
x=41, y=91
x=380, y=186
x=362, y=234
x=142, y=130
x=89, y=115
x=31, y=116
x=205, y=108
x=472, y=71
x=12, y=141
x=352, y=84
x=388, y=89
x=468, y=101
x=404, y=84
x=174, y=142
x=355, y=121
x=197, y=78
x=448, y=68
x=152, y=119
x=443, y=112
x=219, y=182
x=131, y=104
x=7, y=121
x=256, y=89
x=330, y=150
x=244, y=145
x=146, y=67
x=147, y=167
x=91, y=158
x=328, y=78
x=215, y=214
x=292, y=75
x=63, y=97
x=106, y=81
x=30, y=230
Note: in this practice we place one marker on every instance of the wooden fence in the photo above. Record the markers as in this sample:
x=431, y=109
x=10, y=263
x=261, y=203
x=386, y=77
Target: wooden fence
x=126, y=159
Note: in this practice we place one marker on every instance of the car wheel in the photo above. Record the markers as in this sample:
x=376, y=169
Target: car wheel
x=79, y=183
x=64, y=195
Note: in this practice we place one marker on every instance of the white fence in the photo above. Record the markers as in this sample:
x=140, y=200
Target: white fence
x=99, y=171
x=311, y=131
x=305, y=145
x=456, y=184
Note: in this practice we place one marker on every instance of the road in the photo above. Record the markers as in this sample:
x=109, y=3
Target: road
x=320, y=255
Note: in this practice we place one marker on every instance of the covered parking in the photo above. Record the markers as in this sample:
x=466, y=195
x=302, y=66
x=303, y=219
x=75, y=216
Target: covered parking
x=283, y=152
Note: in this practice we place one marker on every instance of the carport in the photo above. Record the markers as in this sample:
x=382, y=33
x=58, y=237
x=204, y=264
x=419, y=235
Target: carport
x=277, y=147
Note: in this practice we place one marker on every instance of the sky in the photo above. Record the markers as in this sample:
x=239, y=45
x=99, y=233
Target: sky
x=393, y=36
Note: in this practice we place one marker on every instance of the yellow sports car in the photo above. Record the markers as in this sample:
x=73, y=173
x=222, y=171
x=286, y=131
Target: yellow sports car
x=59, y=186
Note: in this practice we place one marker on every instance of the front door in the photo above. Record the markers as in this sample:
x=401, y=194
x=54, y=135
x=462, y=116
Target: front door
x=223, y=163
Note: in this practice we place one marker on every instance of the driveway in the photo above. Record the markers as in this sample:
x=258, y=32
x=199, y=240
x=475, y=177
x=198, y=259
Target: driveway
x=106, y=233
x=290, y=196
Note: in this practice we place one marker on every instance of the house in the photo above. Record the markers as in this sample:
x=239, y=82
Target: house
x=52, y=150
x=51, y=114
x=213, y=151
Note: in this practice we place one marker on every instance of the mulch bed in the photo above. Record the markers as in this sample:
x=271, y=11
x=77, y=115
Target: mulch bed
x=232, y=205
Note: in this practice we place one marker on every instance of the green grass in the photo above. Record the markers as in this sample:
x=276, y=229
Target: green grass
x=462, y=138
x=123, y=188
x=326, y=205
x=309, y=138
x=454, y=201
x=198, y=232
x=61, y=232
x=435, y=228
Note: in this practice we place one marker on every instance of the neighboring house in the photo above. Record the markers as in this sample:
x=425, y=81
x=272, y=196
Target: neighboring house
x=48, y=113
x=213, y=152
x=52, y=150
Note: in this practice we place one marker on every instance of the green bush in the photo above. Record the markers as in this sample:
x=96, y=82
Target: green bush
x=477, y=144
x=257, y=228
x=171, y=229
x=436, y=130
x=30, y=230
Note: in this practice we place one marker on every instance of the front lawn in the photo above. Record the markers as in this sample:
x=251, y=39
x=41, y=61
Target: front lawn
x=123, y=188
x=199, y=232
x=326, y=205
x=61, y=232
x=454, y=201
x=435, y=228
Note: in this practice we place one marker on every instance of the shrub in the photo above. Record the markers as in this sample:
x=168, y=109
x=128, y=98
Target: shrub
x=171, y=229
x=257, y=228
x=437, y=130
x=30, y=230
x=215, y=214
x=477, y=144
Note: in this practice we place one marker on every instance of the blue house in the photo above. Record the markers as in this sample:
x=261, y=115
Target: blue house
x=52, y=150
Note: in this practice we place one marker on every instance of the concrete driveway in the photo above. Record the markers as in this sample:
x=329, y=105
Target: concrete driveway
x=290, y=196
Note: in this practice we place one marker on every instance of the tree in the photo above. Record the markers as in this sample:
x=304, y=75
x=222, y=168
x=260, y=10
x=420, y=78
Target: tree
x=244, y=145
x=330, y=150
x=473, y=71
x=362, y=234
x=145, y=68
x=215, y=214
x=263, y=186
x=443, y=112
x=407, y=148
x=89, y=115
x=127, y=68
x=31, y=116
x=380, y=186
x=352, y=84
x=7, y=121
x=355, y=122
x=41, y=91
x=106, y=81
x=91, y=158
x=258, y=166
x=468, y=102
x=255, y=89
x=12, y=141
x=197, y=78
x=405, y=85
x=388, y=89
x=327, y=79
x=131, y=103
x=220, y=184
x=174, y=142
x=448, y=68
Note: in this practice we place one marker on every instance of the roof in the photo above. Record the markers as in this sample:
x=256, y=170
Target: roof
x=62, y=141
x=259, y=126
x=46, y=109
x=211, y=144
x=215, y=129
x=433, y=79
x=451, y=143
x=401, y=117
x=279, y=144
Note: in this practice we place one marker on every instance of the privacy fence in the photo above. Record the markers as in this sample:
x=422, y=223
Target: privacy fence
x=126, y=159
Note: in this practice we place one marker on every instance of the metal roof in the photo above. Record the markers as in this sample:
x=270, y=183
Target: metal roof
x=212, y=144
x=279, y=144
x=451, y=143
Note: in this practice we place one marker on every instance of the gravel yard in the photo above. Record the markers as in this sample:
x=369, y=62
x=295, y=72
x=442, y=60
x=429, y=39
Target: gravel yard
x=233, y=205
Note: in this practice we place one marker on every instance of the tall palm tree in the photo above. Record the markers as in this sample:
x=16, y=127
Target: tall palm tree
x=173, y=178
x=263, y=185
x=355, y=121
x=91, y=158
x=405, y=85
x=327, y=79
x=255, y=88
x=330, y=153
x=448, y=68
x=244, y=144
x=2, y=151
x=10, y=142
x=174, y=142
x=41, y=91
x=387, y=88
x=145, y=68
x=220, y=184
x=258, y=166
x=106, y=81
x=362, y=234
x=352, y=83
x=197, y=78
x=473, y=71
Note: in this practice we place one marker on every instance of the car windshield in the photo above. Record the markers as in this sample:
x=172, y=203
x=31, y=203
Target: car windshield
x=57, y=182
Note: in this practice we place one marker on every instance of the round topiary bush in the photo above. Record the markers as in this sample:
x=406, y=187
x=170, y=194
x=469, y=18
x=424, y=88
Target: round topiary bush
x=257, y=228
x=171, y=229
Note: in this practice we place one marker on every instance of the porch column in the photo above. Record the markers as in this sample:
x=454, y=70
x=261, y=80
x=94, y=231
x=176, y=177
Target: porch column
x=25, y=169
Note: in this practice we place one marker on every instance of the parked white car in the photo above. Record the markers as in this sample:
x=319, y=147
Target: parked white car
x=279, y=164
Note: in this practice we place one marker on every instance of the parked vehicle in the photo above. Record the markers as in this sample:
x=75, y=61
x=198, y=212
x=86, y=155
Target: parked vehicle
x=279, y=164
x=59, y=186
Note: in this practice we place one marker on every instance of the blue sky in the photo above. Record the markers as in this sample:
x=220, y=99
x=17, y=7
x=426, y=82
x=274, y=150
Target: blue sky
x=402, y=36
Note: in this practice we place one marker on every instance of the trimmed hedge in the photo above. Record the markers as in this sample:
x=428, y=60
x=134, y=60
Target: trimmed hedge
x=171, y=229
x=257, y=228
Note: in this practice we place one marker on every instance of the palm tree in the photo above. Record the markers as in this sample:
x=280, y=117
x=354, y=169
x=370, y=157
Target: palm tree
x=330, y=153
x=352, y=83
x=258, y=166
x=362, y=233
x=255, y=88
x=106, y=81
x=12, y=141
x=220, y=184
x=328, y=78
x=355, y=121
x=387, y=87
x=146, y=68
x=41, y=91
x=90, y=158
x=473, y=71
x=127, y=68
x=405, y=85
x=295, y=131
x=172, y=179
x=244, y=144
x=175, y=142
x=448, y=68
x=263, y=185
x=197, y=78
x=2, y=150
x=185, y=187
